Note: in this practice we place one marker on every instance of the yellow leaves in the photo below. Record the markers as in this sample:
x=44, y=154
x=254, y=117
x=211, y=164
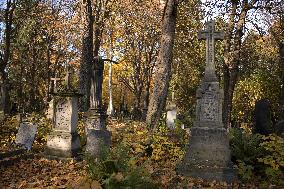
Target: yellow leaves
x=84, y=183
x=164, y=149
x=42, y=173
x=274, y=145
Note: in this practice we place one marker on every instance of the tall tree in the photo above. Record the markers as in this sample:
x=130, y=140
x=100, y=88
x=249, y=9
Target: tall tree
x=5, y=53
x=95, y=15
x=141, y=48
x=164, y=63
x=87, y=54
x=276, y=10
x=238, y=10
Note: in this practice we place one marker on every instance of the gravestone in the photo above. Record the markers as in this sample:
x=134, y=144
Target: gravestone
x=208, y=155
x=171, y=115
x=98, y=136
x=63, y=141
x=263, y=123
x=26, y=134
x=279, y=128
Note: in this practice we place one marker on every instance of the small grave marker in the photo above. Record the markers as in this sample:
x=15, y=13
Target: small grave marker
x=171, y=115
x=26, y=135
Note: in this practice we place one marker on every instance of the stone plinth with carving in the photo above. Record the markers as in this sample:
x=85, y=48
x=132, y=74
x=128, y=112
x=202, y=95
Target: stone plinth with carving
x=63, y=141
x=208, y=155
x=98, y=136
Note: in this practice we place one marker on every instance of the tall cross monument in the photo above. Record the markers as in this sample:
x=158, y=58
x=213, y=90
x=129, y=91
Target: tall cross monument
x=208, y=154
x=210, y=35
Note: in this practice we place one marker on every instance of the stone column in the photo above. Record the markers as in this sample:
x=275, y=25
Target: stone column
x=95, y=119
x=63, y=141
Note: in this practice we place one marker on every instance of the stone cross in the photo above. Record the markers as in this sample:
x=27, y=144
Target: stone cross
x=54, y=79
x=210, y=35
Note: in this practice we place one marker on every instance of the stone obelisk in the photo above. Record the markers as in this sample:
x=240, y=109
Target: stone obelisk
x=208, y=155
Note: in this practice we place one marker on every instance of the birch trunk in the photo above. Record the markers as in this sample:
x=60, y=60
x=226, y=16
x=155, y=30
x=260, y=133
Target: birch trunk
x=110, y=106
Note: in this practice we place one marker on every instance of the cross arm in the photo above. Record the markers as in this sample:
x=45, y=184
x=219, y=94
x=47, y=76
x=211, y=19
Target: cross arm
x=203, y=35
x=219, y=35
x=55, y=79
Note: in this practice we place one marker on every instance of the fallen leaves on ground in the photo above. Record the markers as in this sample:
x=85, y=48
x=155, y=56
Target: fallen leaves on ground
x=41, y=173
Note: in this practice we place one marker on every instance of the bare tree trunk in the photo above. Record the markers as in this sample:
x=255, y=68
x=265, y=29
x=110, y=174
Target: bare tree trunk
x=8, y=19
x=110, y=105
x=87, y=57
x=163, y=70
x=233, y=42
x=281, y=62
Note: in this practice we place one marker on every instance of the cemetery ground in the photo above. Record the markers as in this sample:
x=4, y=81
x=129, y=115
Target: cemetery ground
x=137, y=159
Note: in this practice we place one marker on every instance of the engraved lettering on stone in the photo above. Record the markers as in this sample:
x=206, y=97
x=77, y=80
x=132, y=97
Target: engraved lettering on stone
x=26, y=135
x=62, y=116
x=209, y=111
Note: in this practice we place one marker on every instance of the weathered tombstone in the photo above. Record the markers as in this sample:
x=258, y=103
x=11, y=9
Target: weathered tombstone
x=171, y=115
x=63, y=141
x=279, y=128
x=208, y=155
x=263, y=124
x=26, y=134
x=98, y=136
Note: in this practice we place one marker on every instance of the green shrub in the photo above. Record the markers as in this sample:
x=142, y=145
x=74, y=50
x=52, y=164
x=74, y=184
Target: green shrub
x=273, y=161
x=258, y=156
x=116, y=169
x=245, y=146
x=246, y=149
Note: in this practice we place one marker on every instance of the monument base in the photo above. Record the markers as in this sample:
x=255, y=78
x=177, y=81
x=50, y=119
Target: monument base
x=227, y=174
x=208, y=155
x=95, y=119
x=62, y=144
x=97, y=140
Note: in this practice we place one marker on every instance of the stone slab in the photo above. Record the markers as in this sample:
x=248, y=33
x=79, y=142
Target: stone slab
x=26, y=135
x=97, y=140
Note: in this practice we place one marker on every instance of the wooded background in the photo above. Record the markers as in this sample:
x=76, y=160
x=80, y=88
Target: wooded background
x=38, y=38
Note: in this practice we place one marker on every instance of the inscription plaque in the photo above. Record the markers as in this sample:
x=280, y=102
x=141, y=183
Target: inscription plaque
x=209, y=110
x=63, y=115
